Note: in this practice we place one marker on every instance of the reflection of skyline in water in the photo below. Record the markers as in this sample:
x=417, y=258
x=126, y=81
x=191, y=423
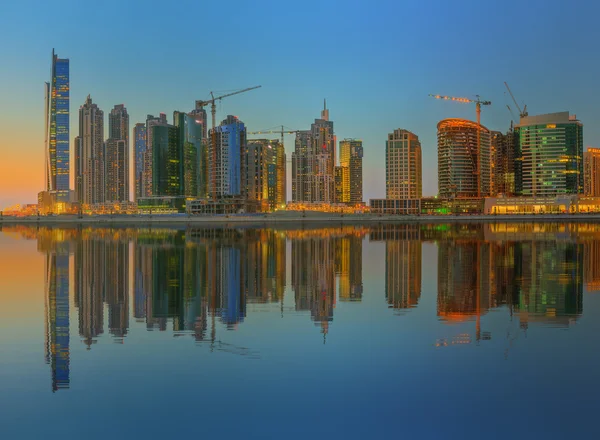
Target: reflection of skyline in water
x=196, y=281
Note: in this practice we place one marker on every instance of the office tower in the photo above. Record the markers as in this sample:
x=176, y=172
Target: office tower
x=166, y=161
x=459, y=160
x=190, y=153
x=90, y=153
x=261, y=173
x=139, y=148
x=57, y=311
x=199, y=114
x=342, y=177
x=226, y=156
x=552, y=154
x=313, y=162
x=151, y=121
x=57, y=129
x=403, y=166
x=591, y=172
x=350, y=177
x=503, y=166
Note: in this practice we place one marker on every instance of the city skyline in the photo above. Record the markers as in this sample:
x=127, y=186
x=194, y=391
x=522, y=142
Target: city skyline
x=389, y=96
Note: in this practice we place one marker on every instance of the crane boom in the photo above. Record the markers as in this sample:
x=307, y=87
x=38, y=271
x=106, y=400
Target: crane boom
x=522, y=113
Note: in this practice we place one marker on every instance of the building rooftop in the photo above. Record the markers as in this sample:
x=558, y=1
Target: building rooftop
x=548, y=118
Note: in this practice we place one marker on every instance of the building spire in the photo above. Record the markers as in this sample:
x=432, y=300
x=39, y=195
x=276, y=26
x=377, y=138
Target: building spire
x=325, y=112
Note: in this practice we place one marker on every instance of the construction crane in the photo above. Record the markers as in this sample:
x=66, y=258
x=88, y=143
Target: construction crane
x=213, y=110
x=522, y=113
x=281, y=132
x=478, y=103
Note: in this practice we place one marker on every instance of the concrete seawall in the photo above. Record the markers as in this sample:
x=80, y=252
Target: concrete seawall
x=295, y=217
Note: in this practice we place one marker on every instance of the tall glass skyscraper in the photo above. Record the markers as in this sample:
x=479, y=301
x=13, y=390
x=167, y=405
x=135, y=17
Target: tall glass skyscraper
x=57, y=129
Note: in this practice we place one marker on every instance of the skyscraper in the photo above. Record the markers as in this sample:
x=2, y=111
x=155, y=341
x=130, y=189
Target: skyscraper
x=261, y=172
x=351, y=154
x=551, y=146
x=591, y=172
x=151, y=121
x=139, y=139
x=458, y=159
x=313, y=162
x=117, y=170
x=503, y=153
x=118, y=123
x=90, y=168
x=57, y=129
x=166, y=161
x=190, y=150
x=226, y=156
x=403, y=166
x=280, y=164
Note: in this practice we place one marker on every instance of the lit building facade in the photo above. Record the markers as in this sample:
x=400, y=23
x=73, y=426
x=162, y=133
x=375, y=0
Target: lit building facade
x=117, y=170
x=90, y=165
x=139, y=148
x=281, y=165
x=226, y=156
x=591, y=172
x=351, y=155
x=403, y=167
x=261, y=173
x=57, y=174
x=313, y=162
x=459, y=160
x=166, y=161
x=551, y=153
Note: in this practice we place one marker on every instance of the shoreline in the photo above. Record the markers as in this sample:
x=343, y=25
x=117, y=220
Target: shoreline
x=309, y=218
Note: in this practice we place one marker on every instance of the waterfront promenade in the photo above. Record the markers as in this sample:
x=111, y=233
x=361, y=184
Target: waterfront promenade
x=291, y=217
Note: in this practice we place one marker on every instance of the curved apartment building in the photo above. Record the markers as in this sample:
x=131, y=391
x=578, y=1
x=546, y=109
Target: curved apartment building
x=458, y=158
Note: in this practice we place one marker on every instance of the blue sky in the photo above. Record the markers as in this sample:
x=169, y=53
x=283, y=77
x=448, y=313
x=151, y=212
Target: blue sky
x=375, y=62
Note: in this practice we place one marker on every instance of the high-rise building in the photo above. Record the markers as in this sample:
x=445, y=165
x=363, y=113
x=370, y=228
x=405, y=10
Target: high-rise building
x=57, y=130
x=192, y=157
x=280, y=161
x=166, y=161
x=591, y=172
x=463, y=171
x=90, y=166
x=313, y=162
x=261, y=173
x=551, y=147
x=117, y=155
x=403, y=167
x=139, y=148
x=151, y=121
x=226, y=156
x=351, y=154
x=117, y=170
x=503, y=153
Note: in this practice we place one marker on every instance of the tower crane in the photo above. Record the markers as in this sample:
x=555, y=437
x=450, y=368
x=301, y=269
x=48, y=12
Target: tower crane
x=478, y=103
x=281, y=132
x=522, y=113
x=213, y=110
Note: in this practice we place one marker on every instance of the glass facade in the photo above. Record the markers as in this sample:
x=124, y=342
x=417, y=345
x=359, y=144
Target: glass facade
x=227, y=173
x=57, y=123
x=193, y=160
x=139, y=139
x=551, y=155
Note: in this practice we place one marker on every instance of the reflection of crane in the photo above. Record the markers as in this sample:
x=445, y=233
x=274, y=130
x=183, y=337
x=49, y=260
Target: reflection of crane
x=478, y=103
x=213, y=110
x=522, y=113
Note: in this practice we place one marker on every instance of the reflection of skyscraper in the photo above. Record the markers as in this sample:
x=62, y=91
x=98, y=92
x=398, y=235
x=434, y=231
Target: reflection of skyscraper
x=552, y=282
x=313, y=277
x=591, y=265
x=57, y=311
x=403, y=268
x=463, y=279
x=348, y=267
x=89, y=287
x=117, y=286
x=264, y=266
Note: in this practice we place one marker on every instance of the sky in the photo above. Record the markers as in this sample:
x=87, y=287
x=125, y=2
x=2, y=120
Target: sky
x=374, y=61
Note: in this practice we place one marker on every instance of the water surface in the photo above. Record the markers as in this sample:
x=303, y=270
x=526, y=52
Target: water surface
x=408, y=331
